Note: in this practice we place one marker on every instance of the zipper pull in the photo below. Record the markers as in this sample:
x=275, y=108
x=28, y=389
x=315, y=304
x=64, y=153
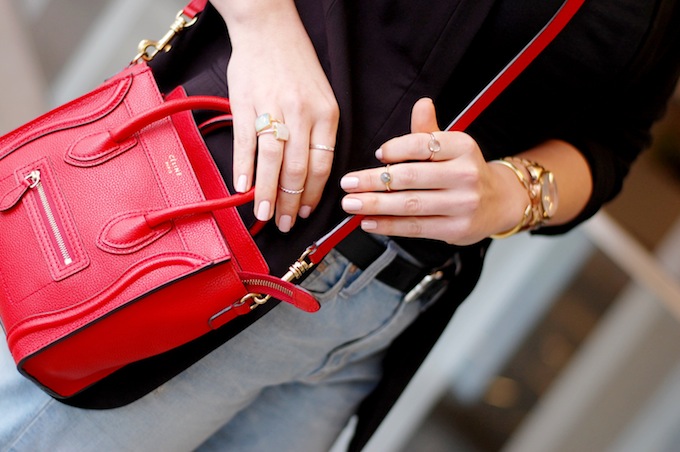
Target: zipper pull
x=12, y=197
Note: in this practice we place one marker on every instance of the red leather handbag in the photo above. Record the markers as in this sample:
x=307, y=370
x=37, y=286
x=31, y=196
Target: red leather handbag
x=119, y=238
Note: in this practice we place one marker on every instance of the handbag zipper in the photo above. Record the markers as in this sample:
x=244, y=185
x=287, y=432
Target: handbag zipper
x=33, y=179
x=269, y=285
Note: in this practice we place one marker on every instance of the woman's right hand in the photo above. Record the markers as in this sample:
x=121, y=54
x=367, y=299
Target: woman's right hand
x=274, y=70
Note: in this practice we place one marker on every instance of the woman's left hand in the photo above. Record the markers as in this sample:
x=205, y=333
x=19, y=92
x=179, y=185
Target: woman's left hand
x=450, y=194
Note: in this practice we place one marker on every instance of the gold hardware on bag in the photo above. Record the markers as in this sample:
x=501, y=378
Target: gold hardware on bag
x=295, y=271
x=148, y=49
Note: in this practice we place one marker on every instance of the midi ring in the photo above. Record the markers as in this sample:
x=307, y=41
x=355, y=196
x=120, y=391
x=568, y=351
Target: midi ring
x=291, y=192
x=279, y=129
x=433, y=146
x=322, y=147
x=386, y=178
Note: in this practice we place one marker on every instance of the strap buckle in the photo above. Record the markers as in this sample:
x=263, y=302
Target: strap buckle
x=148, y=49
x=424, y=284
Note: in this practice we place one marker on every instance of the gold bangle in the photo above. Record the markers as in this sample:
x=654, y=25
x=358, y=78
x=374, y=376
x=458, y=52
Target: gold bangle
x=527, y=216
x=521, y=226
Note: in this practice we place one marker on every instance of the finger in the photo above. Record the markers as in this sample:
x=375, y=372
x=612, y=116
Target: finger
x=269, y=161
x=431, y=146
x=424, y=116
x=412, y=203
x=447, y=229
x=245, y=145
x=293, y=176
x=412, y=176
x=321, y=155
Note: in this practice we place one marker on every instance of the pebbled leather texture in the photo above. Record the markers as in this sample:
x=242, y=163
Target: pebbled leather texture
x=119, y=239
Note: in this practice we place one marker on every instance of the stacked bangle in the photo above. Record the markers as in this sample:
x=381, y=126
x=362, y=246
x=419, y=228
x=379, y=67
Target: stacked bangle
x=542, y=191
x=527, y=215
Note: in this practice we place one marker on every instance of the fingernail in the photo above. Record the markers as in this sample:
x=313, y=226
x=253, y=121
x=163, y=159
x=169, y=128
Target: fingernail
x=378, y=154
x=242, y=184
x=349, y=182
x=263, y=211
x=352, y=204
x=368, y=225
x=305, y=211
x=285, y=223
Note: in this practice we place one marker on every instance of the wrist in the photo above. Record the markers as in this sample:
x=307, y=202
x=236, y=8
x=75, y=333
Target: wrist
x=256, y=18
x=541, y=189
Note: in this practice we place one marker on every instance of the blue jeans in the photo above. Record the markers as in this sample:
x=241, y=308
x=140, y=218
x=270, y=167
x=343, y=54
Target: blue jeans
x=288, y=383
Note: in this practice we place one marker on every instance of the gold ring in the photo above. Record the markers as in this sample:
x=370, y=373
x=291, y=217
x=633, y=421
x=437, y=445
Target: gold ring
x=386, y=178
x=291, y=192
x=433, y=146
x=322, y=147
x=279, y=130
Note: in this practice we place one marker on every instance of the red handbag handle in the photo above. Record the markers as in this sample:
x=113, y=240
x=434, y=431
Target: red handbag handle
x=141, y=224
x=137, y=123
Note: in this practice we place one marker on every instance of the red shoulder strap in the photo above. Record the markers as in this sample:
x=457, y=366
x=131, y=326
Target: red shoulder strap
x=194, y=8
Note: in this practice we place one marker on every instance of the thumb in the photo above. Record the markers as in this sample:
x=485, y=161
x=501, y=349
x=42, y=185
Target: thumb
x=423, y=116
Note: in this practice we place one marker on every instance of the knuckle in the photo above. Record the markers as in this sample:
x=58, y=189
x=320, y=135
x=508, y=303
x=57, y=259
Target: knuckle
x=414, y=228
x=409, y=176
x=319, y=170
x=473, y=202
x=413, y=205
x=331, y=111
x=296, y=169
x=465, y=141
x=470, y=175
x=295, y=106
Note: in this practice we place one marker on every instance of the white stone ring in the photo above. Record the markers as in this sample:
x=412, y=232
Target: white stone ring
x=266, y=124
x=433, y=146
x=279, y=130
x=264, y=121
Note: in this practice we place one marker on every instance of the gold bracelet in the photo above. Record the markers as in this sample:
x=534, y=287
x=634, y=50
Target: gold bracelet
x=542, y=191
x=527, y=216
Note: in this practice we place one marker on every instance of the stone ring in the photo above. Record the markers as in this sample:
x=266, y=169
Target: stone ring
x=264, y=122
x=433, y=146
x=386, y=178
x=279, y=130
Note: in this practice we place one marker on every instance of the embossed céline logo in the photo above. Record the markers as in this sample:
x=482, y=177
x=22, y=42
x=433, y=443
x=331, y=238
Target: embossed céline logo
x=172, y=165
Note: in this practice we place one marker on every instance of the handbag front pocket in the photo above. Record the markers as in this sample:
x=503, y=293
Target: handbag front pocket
x=43, y=203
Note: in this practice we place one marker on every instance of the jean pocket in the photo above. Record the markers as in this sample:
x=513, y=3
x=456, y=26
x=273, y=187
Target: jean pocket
x=369, y=274
x=330, y=276
x=366, y=324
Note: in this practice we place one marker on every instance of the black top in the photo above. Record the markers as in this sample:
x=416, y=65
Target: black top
x=600, y=86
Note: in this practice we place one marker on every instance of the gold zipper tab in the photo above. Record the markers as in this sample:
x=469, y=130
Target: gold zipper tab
x=33, y=178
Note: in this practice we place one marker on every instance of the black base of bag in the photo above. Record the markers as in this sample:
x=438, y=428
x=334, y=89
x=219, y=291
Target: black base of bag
x=136, y=380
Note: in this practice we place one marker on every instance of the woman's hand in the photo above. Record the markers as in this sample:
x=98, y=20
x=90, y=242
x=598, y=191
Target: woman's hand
x=274, y=69
x=451, y=194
